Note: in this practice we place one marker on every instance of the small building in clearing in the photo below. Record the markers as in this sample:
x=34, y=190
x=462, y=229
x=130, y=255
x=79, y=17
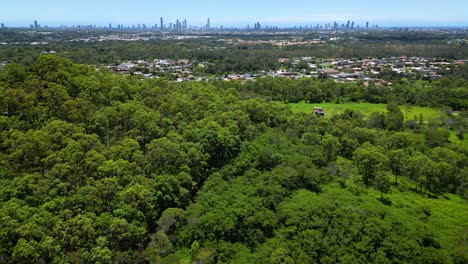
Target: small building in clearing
x=318, y=111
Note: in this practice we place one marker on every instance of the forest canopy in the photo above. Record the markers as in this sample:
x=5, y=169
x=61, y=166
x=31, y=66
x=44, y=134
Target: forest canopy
x=97, y=167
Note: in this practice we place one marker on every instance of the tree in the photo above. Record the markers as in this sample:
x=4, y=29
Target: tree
x=280, y=256
x=421, y=120
x=370, y=159
x=77, y=111
x=331, y=146
x=164, y=156
x=398, y=159
x=460, y=133
x=377, y=120
x=13, y=74
x=436, y=136
x=101, y=253
x=382, y=182
x=52, y=68
x=394, y=120
x=418, y=167
x=25, y=251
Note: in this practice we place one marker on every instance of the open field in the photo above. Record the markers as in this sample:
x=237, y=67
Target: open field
x=447, y=212
x=366, y=109
x=453, y=138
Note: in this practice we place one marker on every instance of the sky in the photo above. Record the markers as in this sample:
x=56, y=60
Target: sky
x=235, y=12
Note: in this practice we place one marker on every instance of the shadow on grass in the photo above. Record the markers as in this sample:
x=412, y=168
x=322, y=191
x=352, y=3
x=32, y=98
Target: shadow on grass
x=385, y=201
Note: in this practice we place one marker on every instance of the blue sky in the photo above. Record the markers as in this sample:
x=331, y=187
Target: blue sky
x=236, y=12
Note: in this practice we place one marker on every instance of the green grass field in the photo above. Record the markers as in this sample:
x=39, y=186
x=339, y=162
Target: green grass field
x=366, y=109
x=448, y=212
x=453, y=138
x=448, y=215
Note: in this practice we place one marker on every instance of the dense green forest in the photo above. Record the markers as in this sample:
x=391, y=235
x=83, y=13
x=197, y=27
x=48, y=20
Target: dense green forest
x=102, y=168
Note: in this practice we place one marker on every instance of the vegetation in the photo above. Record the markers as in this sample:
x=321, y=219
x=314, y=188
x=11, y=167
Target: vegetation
x=225, y=57
x=366, y=109
x=102, y=168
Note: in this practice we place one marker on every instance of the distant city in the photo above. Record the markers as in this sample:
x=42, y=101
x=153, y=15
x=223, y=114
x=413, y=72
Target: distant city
x=180, y=25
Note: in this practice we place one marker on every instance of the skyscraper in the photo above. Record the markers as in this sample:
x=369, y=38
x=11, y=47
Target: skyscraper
x=3, y=25
x=162, y=24
x=367, y=24
x=36, y=25
x=257, y=26
x=208, y=24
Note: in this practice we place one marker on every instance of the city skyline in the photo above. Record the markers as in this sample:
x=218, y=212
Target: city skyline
x=183, y=25
x=270, y=13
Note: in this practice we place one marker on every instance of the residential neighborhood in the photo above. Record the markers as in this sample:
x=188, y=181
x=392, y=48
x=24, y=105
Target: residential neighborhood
x=340, y=70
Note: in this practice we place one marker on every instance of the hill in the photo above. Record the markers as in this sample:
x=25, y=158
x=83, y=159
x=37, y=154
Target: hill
x=103, y=168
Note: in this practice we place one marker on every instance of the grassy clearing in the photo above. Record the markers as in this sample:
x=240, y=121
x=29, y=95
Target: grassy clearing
x=454, y=139
x=447, y=218
x=448, y=213
x=366, y=109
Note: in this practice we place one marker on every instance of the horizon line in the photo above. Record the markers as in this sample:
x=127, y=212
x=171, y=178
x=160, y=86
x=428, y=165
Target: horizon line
x=284, y=25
